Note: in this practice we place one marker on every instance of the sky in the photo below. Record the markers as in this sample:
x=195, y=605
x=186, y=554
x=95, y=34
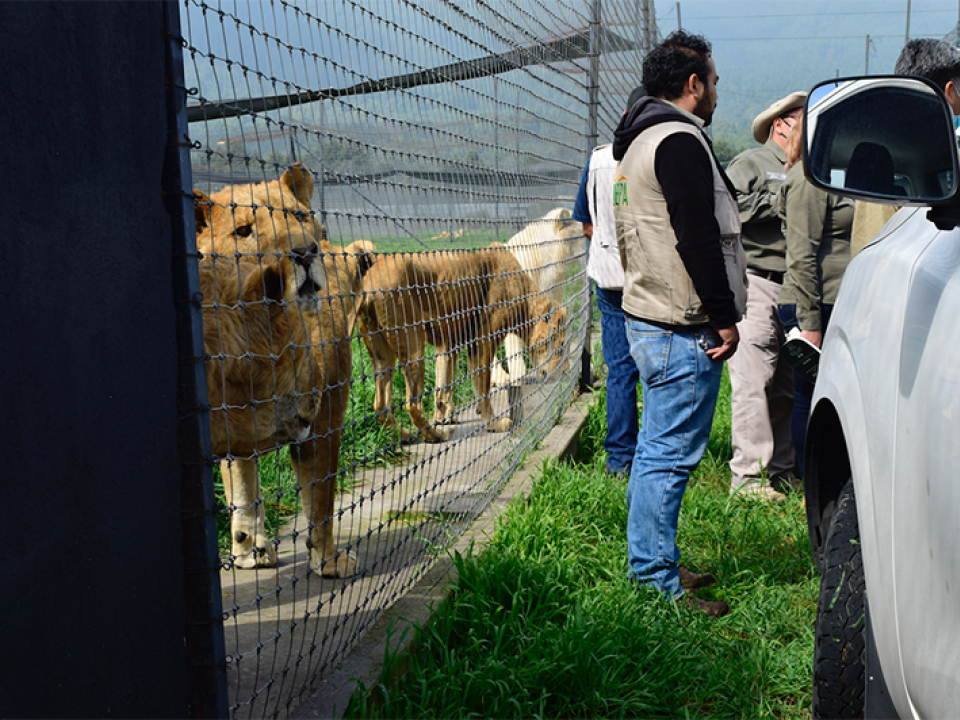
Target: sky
x=733, y=25
x=766, y=50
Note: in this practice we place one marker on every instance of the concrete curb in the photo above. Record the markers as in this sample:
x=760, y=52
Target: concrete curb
x=393, y=632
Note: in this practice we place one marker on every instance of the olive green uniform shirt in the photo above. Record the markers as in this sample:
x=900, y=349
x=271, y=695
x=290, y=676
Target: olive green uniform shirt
x=757, y=174
x=817, y=225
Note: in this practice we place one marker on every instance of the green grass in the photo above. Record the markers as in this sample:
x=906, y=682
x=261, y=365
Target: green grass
x=544, y=622
x=472, y=238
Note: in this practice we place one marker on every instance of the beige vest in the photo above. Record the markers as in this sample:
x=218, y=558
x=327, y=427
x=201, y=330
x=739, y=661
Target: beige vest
x=656, y=285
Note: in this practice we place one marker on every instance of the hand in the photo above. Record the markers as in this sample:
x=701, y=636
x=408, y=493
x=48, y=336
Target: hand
x=730, y=337
x=588, y=230
x=814, y=336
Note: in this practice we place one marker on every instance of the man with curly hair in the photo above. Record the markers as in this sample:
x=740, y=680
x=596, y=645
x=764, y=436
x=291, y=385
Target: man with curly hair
x=678, y=231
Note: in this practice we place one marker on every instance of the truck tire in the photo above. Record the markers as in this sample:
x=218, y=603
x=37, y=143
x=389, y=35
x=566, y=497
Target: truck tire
x=839, y=660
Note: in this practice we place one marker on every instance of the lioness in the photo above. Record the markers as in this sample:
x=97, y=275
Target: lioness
x=459, y=299
x=259, y=374
x=542, y=248
x=276, y=218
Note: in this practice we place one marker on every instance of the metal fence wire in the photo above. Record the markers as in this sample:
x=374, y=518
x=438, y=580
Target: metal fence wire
x=394, y=296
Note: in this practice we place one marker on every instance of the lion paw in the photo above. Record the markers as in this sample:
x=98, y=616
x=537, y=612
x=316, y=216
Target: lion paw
x=340, y=565
x=443, y=415
x=433, y=435
x=248, y=554
x=498, y=377
x=499, y=425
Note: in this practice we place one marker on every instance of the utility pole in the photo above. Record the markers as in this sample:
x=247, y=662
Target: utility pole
x=644, y=27
x=586, y=371
x=866, y=62
x=907, y=38
x=680, y=24
x=649, y=22
x=593, y=83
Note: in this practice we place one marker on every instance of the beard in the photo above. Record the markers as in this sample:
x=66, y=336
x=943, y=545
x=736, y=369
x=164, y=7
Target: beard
x=704, y=109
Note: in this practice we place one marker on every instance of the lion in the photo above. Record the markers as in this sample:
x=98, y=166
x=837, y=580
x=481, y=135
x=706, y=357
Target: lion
x=259, y=380
x=455, y=300
x=275, y=219
x=542, y=249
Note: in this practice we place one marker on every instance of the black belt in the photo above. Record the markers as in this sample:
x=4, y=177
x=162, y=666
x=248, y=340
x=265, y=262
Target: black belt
x=771, y=275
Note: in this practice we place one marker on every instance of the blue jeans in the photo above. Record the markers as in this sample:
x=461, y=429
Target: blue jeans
x=622, y=377
x=802, y=388
x=680, y=388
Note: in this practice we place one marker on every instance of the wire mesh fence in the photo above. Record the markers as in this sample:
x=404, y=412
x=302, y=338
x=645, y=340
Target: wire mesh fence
x=394, y=296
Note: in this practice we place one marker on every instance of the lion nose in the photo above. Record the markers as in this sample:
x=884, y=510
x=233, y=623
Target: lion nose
x=305, y=256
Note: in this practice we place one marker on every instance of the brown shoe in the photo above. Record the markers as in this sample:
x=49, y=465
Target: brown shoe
x=690, y=580
x=713, y=608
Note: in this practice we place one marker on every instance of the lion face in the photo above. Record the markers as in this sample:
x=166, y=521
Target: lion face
x=548, y=338
x=309, y=275
x=273, y=217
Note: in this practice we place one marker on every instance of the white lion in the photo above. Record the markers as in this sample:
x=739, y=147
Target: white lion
x=543, y=249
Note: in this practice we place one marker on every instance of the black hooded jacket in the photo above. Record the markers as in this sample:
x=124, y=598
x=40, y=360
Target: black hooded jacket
x=685, y=174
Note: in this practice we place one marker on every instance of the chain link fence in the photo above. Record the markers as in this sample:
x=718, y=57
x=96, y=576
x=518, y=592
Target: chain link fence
x=394, y=297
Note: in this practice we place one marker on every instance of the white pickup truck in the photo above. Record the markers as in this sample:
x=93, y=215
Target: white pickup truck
x=883, y=442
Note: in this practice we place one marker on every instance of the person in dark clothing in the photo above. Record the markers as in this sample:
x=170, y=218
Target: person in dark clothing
x=678, y=231
x=761, y=379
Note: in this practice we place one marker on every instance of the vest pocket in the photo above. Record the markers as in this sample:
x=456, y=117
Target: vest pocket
x=735, y=263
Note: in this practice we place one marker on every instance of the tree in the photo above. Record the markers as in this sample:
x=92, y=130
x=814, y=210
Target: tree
x=725, y=151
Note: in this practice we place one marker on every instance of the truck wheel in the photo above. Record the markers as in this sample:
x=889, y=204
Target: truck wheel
x=839, y=660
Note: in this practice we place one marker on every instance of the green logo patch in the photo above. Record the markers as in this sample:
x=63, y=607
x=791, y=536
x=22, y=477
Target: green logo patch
x=620, y=193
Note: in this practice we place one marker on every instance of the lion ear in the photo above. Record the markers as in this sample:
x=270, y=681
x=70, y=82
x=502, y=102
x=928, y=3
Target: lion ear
x=364, y=261
x=365, y=253
x=560, y=219
x=299, y=181
x=201, y=210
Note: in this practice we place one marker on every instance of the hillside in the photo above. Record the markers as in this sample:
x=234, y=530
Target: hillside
x=765, y=50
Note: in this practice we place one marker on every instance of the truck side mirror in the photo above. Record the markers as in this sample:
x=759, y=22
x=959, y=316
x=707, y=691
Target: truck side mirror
x=883, y=139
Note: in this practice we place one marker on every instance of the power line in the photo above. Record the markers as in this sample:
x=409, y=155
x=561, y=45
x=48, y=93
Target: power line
x=795, y=15
x=811, y=37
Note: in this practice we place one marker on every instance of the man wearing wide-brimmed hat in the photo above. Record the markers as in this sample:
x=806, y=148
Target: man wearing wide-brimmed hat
x=761, y=383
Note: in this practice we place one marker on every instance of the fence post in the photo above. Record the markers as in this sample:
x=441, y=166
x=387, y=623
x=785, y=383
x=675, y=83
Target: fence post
x=593, y=87
x=496, y=156
x=203, y=633
x=322, y=102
